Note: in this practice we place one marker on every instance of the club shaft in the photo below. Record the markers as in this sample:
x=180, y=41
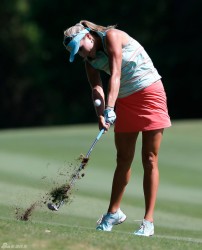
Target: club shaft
x=75, y=176
x=87, y=155
x=96, y=140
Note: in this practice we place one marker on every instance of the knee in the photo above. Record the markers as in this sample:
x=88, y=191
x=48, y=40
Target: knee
x=150, y=160
x=124, y=160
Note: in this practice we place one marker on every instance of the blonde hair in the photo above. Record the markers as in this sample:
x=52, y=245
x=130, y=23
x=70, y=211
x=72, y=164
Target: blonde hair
x=86, y=24
x=74, y=30
x=95, y=27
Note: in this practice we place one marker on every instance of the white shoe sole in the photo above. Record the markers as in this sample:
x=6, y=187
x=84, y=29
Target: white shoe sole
x=146, y=235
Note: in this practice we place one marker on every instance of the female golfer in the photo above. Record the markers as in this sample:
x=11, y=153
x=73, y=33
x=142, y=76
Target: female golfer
x=135, y=102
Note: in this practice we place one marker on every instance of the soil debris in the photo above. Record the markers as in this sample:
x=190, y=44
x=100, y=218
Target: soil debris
x=59, y=192
x=27, y=213
x=84, y=160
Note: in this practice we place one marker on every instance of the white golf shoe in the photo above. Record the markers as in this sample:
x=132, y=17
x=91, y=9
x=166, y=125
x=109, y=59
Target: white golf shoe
x=107, y=221
x=146, y=229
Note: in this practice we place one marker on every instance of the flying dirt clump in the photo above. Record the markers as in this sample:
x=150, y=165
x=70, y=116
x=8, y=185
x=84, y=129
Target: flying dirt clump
x=84, y=160
x=27, y=213
x=61, y=192
x=64, y=191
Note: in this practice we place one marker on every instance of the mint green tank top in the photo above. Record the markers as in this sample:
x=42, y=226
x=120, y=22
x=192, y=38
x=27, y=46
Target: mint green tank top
x=137, y=69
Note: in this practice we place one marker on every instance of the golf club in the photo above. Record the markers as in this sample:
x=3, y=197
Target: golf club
x=56, y=206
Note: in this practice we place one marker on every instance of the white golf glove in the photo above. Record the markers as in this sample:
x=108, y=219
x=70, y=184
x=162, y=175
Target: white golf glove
x=109, y=116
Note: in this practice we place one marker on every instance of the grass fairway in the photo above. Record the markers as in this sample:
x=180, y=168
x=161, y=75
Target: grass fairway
x=32, y=161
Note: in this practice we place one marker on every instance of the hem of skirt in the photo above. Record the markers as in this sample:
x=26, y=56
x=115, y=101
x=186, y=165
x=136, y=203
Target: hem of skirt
x=144, y=129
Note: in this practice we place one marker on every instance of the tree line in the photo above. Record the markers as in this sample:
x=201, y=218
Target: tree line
x=38, y=85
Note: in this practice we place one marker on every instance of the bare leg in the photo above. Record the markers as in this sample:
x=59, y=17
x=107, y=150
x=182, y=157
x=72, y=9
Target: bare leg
x=125, y=145
x=151, y=141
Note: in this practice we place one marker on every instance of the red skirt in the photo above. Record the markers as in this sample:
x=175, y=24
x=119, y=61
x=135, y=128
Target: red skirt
x=143, y=111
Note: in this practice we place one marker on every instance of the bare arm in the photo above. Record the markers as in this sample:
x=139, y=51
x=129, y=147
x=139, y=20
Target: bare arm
x=114, y=48
x=97, y=92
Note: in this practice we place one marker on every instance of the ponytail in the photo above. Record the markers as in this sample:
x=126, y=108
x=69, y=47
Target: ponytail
x=95, y=27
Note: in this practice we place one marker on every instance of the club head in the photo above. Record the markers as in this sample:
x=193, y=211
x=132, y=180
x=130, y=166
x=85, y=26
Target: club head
x=52, y=207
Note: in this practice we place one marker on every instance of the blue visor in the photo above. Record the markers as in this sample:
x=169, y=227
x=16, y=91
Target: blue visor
x=72, y=44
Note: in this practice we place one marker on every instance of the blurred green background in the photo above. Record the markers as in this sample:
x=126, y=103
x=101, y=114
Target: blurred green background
x=38, y=85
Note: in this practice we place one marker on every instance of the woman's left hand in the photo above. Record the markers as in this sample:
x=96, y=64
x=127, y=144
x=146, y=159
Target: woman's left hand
x=103, y=124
